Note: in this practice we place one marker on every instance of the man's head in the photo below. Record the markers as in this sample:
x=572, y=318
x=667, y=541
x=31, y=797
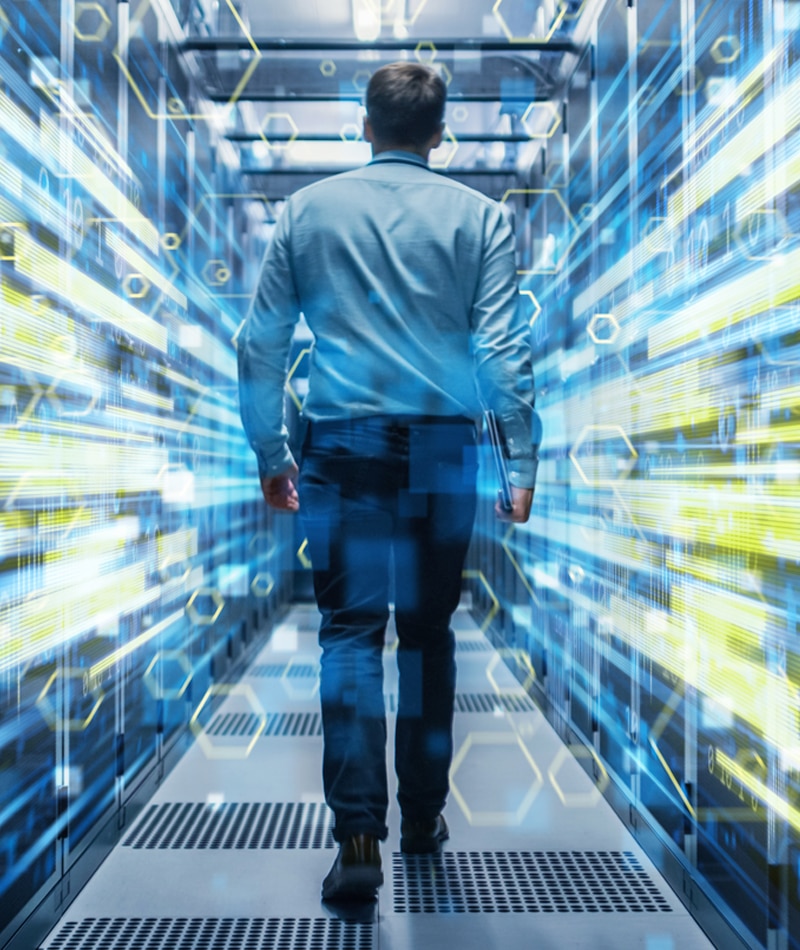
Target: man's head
x=405, y=108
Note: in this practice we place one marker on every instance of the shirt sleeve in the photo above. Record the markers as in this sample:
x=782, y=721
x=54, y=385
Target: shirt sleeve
x=502, y=352
x=263, y=354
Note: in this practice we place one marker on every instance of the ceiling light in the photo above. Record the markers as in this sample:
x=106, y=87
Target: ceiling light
x=366, y=20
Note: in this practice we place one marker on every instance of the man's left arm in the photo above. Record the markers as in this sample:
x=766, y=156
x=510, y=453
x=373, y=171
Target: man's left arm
x=263, y=354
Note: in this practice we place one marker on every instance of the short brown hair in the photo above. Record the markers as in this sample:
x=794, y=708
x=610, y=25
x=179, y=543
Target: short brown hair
x=405, y=103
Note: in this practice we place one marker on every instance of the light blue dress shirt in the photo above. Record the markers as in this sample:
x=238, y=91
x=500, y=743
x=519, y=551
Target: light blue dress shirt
x=407, y=281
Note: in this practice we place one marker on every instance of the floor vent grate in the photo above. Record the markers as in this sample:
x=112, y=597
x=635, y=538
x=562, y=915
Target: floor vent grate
x=480, y=702
x=233, y=826
x=212, y=933
x=278, y=724
x=281, y=670
x=472, y=646
x=524, y=882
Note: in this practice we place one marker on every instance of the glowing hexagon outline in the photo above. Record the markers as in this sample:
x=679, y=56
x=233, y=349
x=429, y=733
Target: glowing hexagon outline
x=81, y=7
x=537, y=307
x=515, y=564
x=556, y=120
x=258, y=591
x=48, y=713
x=698, y=77
x=126, y=286
x=570, y=220
x=429, y=45
x=172, y=467
x=205, y=620
x=292, y=370
x=279, y=146
x=594, y=427
x=614, y=323
x=735, y=44
x=302, y=557
x=171, y=241
x=578, y=799
x=327, y=67
x=213, y=751
x=495, y=602
x=361, y=72
x=460, y=113
x=557, y=21
x=183, y=662
x=137, y=17
x=254, y=195
x=742, y=245
x=218, y=281
x=269, y=537
x=169, y=561
x=651, y=229
x=448, y=135
x=351, y=125
x=291, y=691
x=495, y=818
x=51, y=396
x=517, y=654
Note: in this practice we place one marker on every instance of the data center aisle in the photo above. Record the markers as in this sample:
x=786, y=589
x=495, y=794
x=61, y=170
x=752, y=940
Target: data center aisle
x=230, y=853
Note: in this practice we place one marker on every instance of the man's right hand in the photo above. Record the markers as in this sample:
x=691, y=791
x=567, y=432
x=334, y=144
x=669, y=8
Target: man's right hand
x=521, y=501
x=280, y=491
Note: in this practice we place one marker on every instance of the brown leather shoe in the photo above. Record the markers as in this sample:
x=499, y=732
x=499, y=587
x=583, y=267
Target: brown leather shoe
x=356, y=873
x=423, y=837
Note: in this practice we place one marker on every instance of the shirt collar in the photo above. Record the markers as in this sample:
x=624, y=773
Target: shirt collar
x=395, y=154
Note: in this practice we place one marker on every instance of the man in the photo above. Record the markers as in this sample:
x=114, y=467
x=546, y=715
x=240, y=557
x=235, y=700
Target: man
x=407, y=281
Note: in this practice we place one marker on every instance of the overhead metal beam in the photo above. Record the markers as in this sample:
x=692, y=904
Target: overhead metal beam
x=358, y=97
x=322, y=172
x=335, y=137
x=272, y=44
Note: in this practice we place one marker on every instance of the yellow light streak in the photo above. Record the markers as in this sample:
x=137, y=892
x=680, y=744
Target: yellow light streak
x=767, y=286
x=689, y=644
x=739, y=98
x=135, y=393
x=78, y=165
x=99, y=668
x=27, y=471
x=165, y=422
x=178, y=546
x=51, y=272
x=776, y=120
x=44, y=622
x=732, y=516
x=142, y=266
x=671, y=777
x=770, y=435
x=774, y=183
x=182, y=380
x=758, y=788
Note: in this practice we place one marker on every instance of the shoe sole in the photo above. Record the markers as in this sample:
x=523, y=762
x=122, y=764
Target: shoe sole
x=355, y=884
x=425, y=845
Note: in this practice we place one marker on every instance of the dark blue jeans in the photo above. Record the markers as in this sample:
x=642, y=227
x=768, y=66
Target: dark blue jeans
x=378, y=491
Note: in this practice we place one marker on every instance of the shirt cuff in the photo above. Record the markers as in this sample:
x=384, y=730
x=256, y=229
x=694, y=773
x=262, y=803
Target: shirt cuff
x=522, y=472
x=275, y=462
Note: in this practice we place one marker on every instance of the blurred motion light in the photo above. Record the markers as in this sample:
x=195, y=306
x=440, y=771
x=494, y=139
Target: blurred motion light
x=366, y=20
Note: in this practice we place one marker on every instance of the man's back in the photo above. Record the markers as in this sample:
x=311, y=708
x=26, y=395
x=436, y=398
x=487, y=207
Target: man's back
x=394, y=266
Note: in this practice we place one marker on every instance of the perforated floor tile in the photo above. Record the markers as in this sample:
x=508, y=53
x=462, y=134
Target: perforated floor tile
x=232, y=825
x=524, y=882
x=212, y=933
